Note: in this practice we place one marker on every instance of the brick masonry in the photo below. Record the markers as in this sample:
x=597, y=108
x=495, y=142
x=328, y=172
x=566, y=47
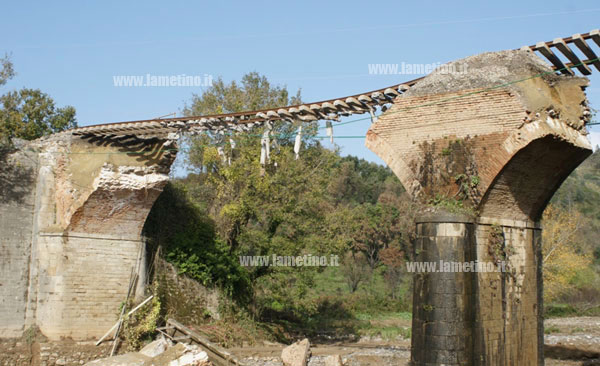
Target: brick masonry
x=517, y=142
x=443, y=311
x=18, y=175
x=428, y=139
x=476, y=318
x=72, y=212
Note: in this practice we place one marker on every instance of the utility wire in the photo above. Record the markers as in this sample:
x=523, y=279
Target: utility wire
x=229, y=37
x=402, y=109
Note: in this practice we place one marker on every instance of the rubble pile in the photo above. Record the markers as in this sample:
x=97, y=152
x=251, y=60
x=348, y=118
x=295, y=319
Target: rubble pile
x=160, y=352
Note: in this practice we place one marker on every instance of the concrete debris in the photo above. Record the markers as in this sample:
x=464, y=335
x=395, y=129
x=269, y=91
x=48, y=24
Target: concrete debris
x=217, y=354
x=171, y=354
x=333, y=360
x=159, y=353
x=128, y=359
x=196, y=358
x=155, y=348
x=296, y=354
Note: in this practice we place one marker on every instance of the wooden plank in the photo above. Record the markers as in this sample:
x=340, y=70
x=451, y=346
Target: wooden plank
x=218, y=355
x=132, y=281
x=165, y=328
x=586, y=50
x=560, y=44
x=595, y=35
x=128, y=314
x=545, y=50
x=182, y=338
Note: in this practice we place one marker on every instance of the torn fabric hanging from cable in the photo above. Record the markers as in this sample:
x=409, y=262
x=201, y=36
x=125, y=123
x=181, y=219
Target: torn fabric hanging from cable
x=372, y=113
x=265, y=148
x=298, y=142
x=268, y=142
x=232, y=144
x=221, y=153
x=219, y=141
x=329, y=130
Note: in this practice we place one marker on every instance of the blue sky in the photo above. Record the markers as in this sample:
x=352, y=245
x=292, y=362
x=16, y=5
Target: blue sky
x=72, y=49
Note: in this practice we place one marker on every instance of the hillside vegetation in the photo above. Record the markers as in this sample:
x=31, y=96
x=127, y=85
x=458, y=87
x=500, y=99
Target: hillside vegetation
x=571, y=247
x=322, y=204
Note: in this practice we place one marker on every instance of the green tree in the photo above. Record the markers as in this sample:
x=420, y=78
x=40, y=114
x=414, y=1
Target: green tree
x=6, y=72
x=356, y=270
x=29, y=113
x=562, y=255
x=186, y=238
x=380, y=226
x=253, y=93
x=235, y=184
x=319, y=204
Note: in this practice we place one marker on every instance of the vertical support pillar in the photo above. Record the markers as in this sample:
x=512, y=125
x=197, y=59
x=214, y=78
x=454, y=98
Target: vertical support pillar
x=477, y=292
x=509, y=327
x=443, y=311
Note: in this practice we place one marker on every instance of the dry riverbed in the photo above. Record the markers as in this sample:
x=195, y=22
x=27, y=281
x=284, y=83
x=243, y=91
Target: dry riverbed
x=566, y=337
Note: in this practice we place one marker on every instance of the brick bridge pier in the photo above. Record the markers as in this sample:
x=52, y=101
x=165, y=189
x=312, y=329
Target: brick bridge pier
x=489, y=158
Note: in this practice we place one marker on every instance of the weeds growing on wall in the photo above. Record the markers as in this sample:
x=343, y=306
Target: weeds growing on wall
x=500, y=251
x=188, y=240
x=140, y=327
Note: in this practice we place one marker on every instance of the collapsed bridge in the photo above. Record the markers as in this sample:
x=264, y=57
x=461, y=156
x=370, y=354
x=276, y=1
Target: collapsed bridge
x=503, y=137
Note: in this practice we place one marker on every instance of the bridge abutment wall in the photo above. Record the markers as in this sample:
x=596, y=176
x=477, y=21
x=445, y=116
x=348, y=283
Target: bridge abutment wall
x=72, y=211
x=18, y=182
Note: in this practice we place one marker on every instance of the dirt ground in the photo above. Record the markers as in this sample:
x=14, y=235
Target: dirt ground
x=372, y=354
x=572, y=339
x=582, y=332
x=43, y=353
